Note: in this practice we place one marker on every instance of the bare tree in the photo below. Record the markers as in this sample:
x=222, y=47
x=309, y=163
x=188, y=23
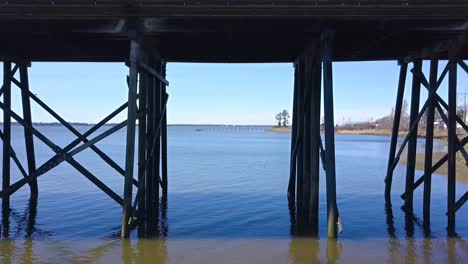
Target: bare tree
x=285, y=116
x=279, y=118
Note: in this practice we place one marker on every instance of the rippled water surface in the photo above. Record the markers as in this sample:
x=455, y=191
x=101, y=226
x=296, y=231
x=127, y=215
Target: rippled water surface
x=226, y=203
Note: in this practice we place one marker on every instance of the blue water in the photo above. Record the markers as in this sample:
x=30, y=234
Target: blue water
x=224, y=182
x=226, y=203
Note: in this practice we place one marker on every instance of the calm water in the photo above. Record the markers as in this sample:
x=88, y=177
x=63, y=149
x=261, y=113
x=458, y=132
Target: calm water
x=227, y=203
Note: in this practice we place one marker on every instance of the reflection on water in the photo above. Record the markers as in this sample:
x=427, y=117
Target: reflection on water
x=234, y=251
x=36, y=246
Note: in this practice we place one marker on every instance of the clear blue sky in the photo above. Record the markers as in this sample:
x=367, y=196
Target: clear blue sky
x=215, y=93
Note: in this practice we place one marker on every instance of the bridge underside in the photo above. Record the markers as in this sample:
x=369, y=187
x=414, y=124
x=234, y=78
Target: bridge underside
x=228, y=31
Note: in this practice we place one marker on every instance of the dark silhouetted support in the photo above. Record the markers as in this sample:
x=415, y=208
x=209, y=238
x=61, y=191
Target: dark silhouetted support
x=149, y=183
x=157, y=135
x=432, y=100
x=164, y=137
x=293, y=159
x=451, y=134
x=143, y=85
x=316, y=87
x=156, y=143
x=395, y=129
x=332, y=211
x=130, y=142
x=413, y=137
x=299, y=144
x=28, y=136
x=306, y=146
x=6, y=134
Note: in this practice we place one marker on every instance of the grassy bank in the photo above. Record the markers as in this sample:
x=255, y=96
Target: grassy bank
x=438, y=133
x=462, y=169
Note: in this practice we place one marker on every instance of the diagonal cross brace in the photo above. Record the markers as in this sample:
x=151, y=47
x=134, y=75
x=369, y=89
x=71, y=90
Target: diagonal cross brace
x=436, y=166
x=15, y=158
x=57, y=159
x=463, y=65
x=457, y=141
x=100, y=153
x=13, y=71
x=432, y=93
x=461, y=201
x=424, y=82
x=65, y=156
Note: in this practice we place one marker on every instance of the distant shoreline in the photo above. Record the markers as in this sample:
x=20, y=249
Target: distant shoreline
x=371, y=132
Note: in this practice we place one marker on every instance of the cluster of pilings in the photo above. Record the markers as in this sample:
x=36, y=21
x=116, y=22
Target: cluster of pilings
x=306, y=144
x=447, y=111
x=146, y=103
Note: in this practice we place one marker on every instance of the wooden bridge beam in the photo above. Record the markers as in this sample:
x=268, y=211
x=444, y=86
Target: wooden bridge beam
x=142, y=142
x=413, y=137
x=299, y=145
x=28, y=136
x=332, y=210
x=130, y=141
x=164, y=183
x=6, y=133
x=451, y=134
x=429, y=143
x=316, y=85
x=293, y=157
x=307, y=150
x=395, y=130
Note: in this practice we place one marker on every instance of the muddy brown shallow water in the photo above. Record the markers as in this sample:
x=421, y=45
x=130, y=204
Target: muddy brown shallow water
x=236, y=251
